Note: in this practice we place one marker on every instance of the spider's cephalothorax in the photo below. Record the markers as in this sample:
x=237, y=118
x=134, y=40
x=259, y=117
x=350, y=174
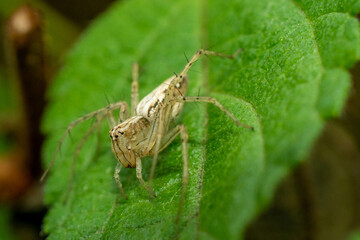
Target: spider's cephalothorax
x=128, y=140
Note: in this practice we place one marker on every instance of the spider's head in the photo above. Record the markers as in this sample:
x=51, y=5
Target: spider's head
x=181, y=85
x=127, y=140
x=180, y=88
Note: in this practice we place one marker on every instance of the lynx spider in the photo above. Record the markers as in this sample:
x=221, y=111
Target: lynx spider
x=147, y=131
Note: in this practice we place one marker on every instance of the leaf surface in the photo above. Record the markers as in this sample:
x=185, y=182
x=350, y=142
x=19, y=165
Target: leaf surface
x=283, y=84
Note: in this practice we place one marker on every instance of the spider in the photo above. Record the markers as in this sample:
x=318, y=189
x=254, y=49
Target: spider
x=147, y=132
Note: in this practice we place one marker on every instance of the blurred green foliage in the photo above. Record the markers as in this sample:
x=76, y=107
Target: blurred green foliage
x=5, y=228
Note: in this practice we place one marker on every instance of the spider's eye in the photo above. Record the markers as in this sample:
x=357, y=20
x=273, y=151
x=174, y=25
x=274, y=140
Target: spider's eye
x=121, y=133
x=116, y=136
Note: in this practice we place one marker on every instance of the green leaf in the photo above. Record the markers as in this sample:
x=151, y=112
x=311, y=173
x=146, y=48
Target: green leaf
x=354, y=235
x=5, y=224
x=281, y=84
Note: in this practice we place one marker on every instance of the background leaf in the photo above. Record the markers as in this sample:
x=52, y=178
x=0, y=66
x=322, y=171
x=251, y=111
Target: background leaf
x=283, y=84
x=5, y=230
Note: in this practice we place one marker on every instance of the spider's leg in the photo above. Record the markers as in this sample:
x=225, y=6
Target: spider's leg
x=77, y=150
x=139, y=176
x=134, y=88
x=185, y=177
x=168, y=138
x=123, y=113
x=196, y=56
x=159, y=131
x=117, y=179
x=98, y=113
x=111, y=119
x=217, y=104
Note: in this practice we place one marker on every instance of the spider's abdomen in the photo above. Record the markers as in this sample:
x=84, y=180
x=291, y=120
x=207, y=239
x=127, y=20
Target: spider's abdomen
x=155, y=100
